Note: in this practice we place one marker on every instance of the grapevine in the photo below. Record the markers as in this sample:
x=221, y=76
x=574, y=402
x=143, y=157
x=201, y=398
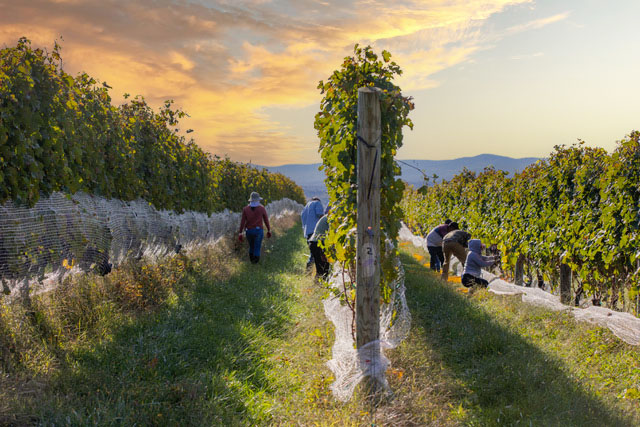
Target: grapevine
x=580, y=207
x=62, y=133
x=336, y=126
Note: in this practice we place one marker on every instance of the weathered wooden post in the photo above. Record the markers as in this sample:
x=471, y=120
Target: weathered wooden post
x=565, y=284
x=369, y=132
x=519, y=273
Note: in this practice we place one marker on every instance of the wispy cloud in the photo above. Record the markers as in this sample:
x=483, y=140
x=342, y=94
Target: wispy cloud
x=537, y=23
x=227, y=61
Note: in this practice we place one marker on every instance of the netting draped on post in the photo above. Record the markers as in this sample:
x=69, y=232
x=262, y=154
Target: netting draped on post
x=350, y=365
x=65, y=234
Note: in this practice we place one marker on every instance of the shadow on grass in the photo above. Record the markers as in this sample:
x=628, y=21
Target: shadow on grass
x=505, y=379
x=203, y=360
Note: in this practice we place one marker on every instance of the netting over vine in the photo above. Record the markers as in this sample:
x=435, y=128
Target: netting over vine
x=65, y=234
x=623, y=325
x=350, y=365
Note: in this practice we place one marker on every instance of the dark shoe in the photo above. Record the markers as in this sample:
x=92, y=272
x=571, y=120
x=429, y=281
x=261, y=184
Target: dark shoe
x=255, y=259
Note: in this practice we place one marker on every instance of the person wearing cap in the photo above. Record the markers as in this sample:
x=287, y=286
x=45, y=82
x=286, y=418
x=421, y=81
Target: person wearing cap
x=472, y=274
x=310, y=215
x=434, y=245
x=455, y=242
x=251, y=224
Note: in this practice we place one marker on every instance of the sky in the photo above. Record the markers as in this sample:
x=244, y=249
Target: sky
x=507, y=77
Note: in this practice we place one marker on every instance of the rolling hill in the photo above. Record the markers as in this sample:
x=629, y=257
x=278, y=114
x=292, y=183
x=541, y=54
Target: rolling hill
x=311, y=179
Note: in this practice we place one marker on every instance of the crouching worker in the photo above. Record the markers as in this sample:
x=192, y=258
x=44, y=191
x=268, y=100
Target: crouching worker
x=253, y=215
x=455, y=243
x=472, y=274
x=322, y=265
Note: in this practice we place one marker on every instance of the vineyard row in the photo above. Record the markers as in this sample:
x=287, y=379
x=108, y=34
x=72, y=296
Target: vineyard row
x=62, y=133
x=579, y=207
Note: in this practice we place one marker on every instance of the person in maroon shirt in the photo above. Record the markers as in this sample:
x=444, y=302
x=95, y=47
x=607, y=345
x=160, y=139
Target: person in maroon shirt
x=251, y=225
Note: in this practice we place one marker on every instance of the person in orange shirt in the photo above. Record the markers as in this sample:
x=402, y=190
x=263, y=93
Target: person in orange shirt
x=251, y=225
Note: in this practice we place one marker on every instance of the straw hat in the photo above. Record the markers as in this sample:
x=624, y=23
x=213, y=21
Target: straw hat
x=255, y=197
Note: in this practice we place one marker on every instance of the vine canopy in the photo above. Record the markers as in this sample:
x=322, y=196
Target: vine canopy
x=336, y=124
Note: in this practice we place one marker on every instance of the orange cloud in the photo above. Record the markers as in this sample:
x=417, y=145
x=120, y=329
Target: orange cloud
x=226, y=63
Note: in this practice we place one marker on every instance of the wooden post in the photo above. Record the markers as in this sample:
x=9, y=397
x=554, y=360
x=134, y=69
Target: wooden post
x=565, y=284
x=368, y=227
x=519, y=279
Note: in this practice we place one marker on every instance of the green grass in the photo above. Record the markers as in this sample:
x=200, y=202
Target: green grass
x=246, y=347
x=239, y=344
x=482, y=359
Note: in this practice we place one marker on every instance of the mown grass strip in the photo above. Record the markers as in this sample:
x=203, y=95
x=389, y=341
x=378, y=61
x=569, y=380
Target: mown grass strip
x=243, y=344
x=236, y=344
x=482, y=359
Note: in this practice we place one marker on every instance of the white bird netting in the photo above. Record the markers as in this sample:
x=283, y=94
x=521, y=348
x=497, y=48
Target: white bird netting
x=65, y=234
x=623, y=325
x=350, y=365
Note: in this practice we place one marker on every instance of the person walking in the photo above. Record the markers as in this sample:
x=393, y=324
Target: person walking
x=472, y=274
x=455, y=242
x=251, y=224
x=310, y=215
x=316, y=239
x=434, y=245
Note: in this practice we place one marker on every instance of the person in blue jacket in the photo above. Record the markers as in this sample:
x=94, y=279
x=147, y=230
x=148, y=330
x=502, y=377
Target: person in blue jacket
x=310, y=215
x=472, y=274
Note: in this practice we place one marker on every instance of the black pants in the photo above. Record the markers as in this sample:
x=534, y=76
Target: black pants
x=468, y=280
x=322, y=265
x=437, y=257
x=310, y=259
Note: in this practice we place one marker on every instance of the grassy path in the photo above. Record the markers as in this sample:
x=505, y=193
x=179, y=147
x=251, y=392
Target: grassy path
x=247, y=345
x=482, y=359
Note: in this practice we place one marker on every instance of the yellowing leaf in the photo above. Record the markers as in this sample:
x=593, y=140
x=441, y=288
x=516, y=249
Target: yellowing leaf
x=632, y=393
x=397, y=372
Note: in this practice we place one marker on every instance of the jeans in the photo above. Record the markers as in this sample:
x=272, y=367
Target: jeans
x=436, y=257
x=254, y=237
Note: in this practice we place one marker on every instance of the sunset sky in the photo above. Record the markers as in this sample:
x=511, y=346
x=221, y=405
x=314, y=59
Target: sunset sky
x=505, y=77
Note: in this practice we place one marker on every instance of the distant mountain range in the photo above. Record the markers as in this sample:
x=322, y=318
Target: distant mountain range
x=312, y=180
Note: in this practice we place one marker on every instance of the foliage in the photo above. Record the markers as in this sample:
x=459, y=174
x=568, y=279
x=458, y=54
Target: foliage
x=580, y=206
x=61, y=133
x=336, y=124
